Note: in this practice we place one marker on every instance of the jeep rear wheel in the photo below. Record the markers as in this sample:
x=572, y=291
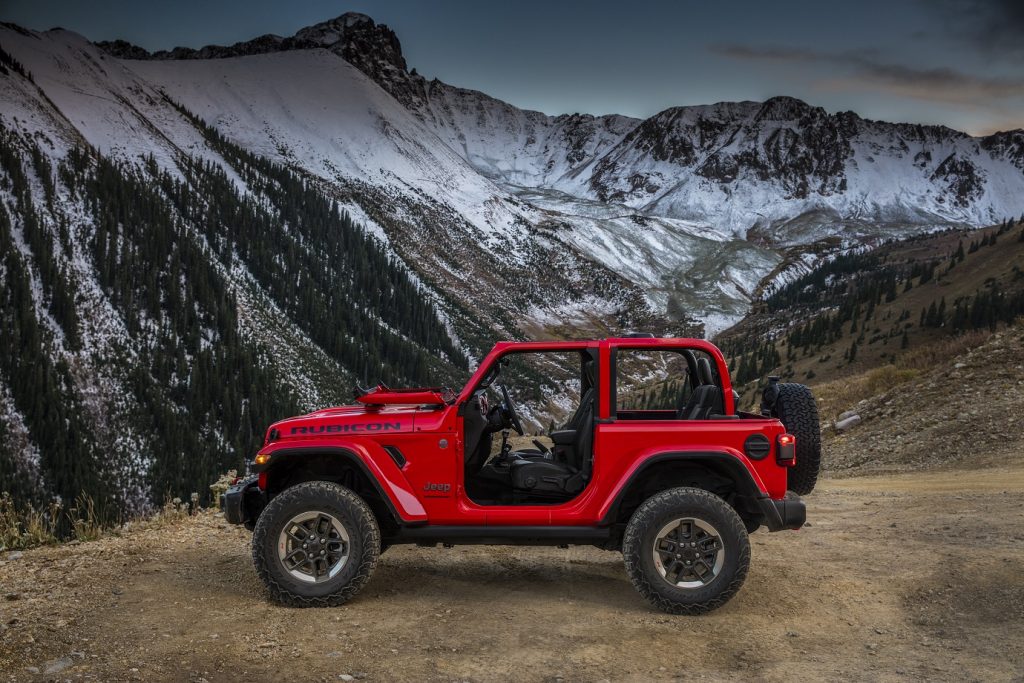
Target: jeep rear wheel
x=315, y=545
x=797, y=410
x=686, y=551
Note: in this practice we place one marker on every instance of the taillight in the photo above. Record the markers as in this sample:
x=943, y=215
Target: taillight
x=785, y=452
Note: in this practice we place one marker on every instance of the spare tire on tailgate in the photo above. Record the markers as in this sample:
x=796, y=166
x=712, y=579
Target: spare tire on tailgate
x=794, y=405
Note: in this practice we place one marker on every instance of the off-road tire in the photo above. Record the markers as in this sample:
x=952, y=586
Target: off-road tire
x=798, y=411
x=638, y=548
x=364, y=544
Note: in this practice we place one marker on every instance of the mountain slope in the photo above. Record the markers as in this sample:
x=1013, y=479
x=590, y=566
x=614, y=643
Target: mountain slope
x=684, y=162
x=962, y=412
x=450, y=224
x=154, y=325
x=757, y=166
x=769, y=181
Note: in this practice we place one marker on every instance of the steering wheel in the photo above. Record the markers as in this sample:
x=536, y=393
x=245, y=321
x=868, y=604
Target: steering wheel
x=510, y=410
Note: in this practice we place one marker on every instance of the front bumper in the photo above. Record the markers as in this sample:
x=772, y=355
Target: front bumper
x=788, y=513
x=237, y=502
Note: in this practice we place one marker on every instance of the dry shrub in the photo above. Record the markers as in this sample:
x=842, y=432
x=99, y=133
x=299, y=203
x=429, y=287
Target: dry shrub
x=221, y=485
x=26, y=527
x=881, y=380
x=842, y=394
x=174, y=509
x=23, y=527
x=944, y=351
x=10, y=527
x=86, y=523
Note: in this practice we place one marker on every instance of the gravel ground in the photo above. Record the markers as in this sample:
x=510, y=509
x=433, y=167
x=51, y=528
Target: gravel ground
x=900, y=577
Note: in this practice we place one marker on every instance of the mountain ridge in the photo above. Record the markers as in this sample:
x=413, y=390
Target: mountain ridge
x=340, y=32
x=676, y=135
x=780, y=173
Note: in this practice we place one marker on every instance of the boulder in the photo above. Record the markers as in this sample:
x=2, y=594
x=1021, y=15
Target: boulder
x=848, y=422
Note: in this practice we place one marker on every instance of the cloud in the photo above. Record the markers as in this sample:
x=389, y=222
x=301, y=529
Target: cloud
x=940, y=84
x=993, y=27
x=864, y=70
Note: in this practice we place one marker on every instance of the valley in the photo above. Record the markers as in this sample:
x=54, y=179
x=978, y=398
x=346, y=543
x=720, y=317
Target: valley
x=198, y=241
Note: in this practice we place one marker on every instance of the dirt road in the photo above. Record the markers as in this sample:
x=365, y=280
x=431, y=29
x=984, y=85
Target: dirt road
x=907, y=577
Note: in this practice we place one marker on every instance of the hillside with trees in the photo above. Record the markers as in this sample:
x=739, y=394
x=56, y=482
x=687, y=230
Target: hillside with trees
x=154, y=323
x=880, y=307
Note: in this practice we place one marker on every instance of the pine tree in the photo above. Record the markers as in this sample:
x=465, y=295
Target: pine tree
x=198, y=393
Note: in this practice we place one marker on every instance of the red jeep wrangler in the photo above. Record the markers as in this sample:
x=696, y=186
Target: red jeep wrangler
x=675, y=487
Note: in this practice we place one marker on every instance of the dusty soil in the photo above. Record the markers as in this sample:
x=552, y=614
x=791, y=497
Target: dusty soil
x=911, y=576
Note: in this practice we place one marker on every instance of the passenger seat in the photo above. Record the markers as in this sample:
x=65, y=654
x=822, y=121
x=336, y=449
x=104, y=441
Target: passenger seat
x=706, y=398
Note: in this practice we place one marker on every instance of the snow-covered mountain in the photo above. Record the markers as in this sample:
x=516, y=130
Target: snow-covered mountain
x=484, y=221
x=756, y=179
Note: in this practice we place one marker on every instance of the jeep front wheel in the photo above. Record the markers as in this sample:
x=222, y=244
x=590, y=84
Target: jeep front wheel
x=315, y=545
x=686, y=551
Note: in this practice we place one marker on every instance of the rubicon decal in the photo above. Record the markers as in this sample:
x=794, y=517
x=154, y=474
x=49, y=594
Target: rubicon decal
x=343, y=428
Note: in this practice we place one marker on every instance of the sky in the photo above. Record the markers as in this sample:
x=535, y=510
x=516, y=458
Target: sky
x=958, y=63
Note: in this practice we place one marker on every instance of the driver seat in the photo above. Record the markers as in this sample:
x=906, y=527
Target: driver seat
x=573, y=446
x=589, y=387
